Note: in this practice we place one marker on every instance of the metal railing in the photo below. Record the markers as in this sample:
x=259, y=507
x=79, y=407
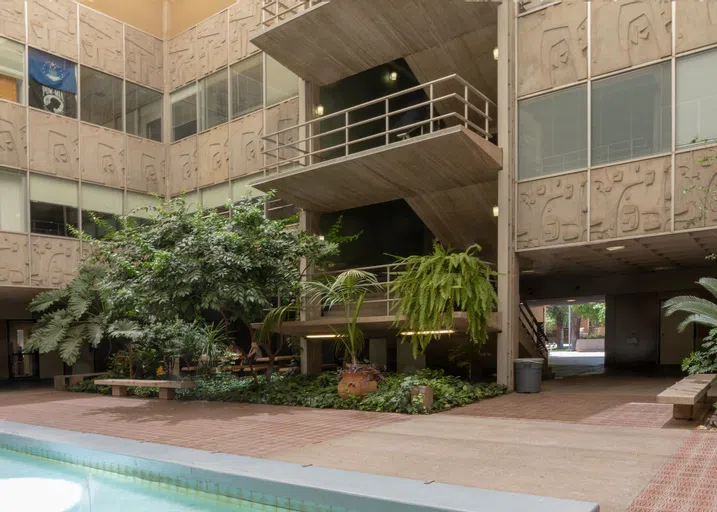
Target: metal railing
x=442, y=103
x=274, y=11
x=534, y=329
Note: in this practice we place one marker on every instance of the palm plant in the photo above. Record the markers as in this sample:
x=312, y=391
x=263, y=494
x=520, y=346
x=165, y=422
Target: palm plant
x=75, y=314
x=431, y=288
x=349, y=289
x=701, y=311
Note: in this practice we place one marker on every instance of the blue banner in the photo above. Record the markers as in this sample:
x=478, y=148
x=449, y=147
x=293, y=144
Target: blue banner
x=52, y=71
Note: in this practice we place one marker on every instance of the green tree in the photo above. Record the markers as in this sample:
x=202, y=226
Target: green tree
x=556, y=317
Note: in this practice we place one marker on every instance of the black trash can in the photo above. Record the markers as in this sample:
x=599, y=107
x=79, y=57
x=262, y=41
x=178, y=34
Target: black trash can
x=528, y=375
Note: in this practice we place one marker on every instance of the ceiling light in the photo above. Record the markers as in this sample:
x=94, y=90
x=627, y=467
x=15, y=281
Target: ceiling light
x=495, y=53
x=570, y=300
x=495, y=211
x=322, y=336
x=393, y=76
x=442, y=331
x=663, y=268
x=529, y=271
x=615, y=248
x=319, y=110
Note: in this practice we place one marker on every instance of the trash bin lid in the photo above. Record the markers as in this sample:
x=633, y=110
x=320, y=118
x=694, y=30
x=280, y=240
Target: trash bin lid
x=529, y=360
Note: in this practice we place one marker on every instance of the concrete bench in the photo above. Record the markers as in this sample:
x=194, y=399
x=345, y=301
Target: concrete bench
x=166, y=387
x=62, y=381
x=686, y=394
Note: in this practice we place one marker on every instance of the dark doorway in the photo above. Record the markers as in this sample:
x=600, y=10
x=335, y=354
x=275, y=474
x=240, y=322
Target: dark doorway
x=24, y=365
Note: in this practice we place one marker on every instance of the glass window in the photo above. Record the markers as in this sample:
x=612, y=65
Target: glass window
x=213, y=100
x=247, y=85
x=52, y=83
x=216, y=196
x=100, y=98
x=53, y=205
x=696, y=98
x=13, y=201
x=12, y=70
x=134, y=202
x=631, y=115
x=184, y=112
x=553, y=133
x=144, y=112
x=281, y=84
x=105, y=204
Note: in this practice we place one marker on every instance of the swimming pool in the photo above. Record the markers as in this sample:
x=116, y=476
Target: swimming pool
x=65, y=471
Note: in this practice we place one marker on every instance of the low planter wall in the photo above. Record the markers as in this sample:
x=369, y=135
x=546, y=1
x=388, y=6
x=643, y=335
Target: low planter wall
x=590, y=345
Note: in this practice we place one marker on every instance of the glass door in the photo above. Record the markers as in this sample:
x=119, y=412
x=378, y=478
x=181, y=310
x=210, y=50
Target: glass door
x=23, y=364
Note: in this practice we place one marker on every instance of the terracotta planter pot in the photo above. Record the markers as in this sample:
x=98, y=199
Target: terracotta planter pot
x=356, y=383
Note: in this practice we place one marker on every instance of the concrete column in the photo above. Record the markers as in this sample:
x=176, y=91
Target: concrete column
x=404, y=358
x=311, y=353
x=378, y=352
x=311, y=356
x=508, y=272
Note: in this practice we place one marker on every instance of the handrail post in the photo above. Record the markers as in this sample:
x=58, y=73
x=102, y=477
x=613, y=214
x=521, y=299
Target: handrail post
x=465, y=105
x=388, y=126
x=346, y=131
x=430, y=115
x=388, y=290
x=487, y=122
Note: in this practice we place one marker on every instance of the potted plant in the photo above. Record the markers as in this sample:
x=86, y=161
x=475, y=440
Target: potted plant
x=349, y=290
x=431, y=288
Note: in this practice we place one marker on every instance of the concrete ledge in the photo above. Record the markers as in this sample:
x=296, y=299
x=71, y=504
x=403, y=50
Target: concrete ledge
x=590, y=345
x=250, y=478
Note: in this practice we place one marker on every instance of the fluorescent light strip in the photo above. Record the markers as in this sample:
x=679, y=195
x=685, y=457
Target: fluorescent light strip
x=320, y=336
x=443, y=331
x=615, y=248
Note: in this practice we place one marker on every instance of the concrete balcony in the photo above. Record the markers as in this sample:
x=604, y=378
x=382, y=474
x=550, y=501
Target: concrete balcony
x=350, y=36
x=431, y=137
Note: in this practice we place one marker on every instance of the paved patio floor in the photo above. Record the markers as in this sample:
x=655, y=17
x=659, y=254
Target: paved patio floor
x=588, y=438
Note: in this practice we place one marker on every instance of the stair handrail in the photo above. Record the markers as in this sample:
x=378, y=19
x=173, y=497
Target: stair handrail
x=535, y=329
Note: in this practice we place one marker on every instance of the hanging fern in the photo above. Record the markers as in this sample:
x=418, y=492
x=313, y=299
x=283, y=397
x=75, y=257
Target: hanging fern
x=431, y=288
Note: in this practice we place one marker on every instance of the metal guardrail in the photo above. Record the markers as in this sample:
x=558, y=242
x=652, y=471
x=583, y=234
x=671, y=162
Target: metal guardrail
x=534, y=329
x=273, y=11
x=468, y=107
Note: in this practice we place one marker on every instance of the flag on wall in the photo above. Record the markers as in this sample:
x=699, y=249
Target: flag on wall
x=53, y=83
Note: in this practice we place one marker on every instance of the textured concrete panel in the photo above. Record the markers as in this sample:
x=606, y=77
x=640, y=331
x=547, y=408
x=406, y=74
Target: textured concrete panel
x=54, y=144
x=14, y=261
x=552, y=211
x=144, y=57
x=146, y=165
x=696, y=24
x=183, y=166
x=213, y=150
x=246, y=144
x=631, y=199
x=281, y=116
x=244, y=22
x=101, y=42
x=182, y=64
x=552, y=46
x=13, y=135
x=696, y=174
x=212, y=43
x=53, y=26
x=12, y=19
x=103, y=157
x=53, y=261
x=628, y=33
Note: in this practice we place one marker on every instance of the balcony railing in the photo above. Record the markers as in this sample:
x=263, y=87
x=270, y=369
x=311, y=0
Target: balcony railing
x=274, y=11
x=443, y=103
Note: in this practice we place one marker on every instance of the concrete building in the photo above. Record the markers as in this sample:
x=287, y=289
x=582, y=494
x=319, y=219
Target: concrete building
x=561, y=136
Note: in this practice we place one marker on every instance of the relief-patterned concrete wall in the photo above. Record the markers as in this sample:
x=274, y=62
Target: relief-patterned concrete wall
x=183, y=166
x=213, y=156
x=278, y=117
x=181, y=59
x=144, y=58
x=625, y=34
x=146, y=165
x=53, y=144
x=14, y=260
x=53, y=26
x=53, y=261
x=246, y=144
x=631, y=199
x=244, y=22
x=12, y=19
x=552, y=211
x=212, y=44
x=552, y=46
x=13, y=134
x=102, y=155
x=101, y=42
x=696, y=173
x=696, y=24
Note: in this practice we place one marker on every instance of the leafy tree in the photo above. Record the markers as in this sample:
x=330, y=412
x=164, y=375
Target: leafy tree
x=592, y=311
x=555, y=317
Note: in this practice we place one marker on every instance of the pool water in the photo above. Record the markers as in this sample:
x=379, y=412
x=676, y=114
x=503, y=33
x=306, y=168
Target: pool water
x=29, y=484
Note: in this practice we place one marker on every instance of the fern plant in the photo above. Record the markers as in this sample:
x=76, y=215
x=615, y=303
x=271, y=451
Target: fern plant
x=73, y=315
x=431, y=288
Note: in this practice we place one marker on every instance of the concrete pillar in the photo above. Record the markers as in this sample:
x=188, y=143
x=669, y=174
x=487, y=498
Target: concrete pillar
x=311, y=356
x=311, y=350
x=378, y=352
x=404, y=358
x=508, y=271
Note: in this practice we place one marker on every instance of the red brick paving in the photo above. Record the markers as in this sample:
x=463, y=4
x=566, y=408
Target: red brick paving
x=240, y=429
x=687, y=482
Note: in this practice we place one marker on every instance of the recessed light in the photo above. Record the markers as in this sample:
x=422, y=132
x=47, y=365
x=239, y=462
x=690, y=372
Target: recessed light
x=319, y=110
x=615, y=248
x=322, y=336
x=393, y=76
x=495, y=211
x=529, y=271
x=495, y=53
x=442, y=331
x=570, y=300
